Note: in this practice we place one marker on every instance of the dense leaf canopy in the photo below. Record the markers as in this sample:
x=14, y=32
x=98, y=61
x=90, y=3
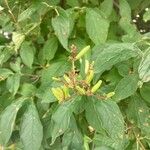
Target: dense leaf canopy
x=75, y=74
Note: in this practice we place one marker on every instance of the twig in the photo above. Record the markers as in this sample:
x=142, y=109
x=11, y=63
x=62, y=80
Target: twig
x=62, y=3
x=116, y=4
x=10, y=12
x=138, y=141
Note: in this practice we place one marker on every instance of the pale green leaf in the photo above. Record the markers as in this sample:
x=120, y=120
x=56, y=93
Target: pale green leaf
x=31, y=133
x=96, y=26
x=146, y=16
x=17, y=39
x=107, y=7
x=5, y=73
x=125, y=10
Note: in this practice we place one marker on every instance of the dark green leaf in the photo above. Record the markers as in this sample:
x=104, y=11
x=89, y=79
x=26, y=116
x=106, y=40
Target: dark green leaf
x=27, y=54
x=144, y=67
x=111, y=54
x=31, y=133
x=61, y=117
x=7, y=121
x=13, y=83
x=126, y=87
x=105, y=115
x=56, y=69
x=145, y=92
x=26, y=14
x=28, y=90
x=50, y=48
x=96, y=26
x=138, y=113
x=61, y=25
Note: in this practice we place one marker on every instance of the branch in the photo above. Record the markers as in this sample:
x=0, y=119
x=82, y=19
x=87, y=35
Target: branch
x=10, y=11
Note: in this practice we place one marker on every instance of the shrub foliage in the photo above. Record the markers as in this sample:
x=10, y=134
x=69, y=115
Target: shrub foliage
x=75, y=74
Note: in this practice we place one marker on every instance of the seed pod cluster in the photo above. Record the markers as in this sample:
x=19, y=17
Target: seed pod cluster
x=74, y=83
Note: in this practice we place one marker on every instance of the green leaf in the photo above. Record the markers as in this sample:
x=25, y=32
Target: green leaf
x=26, y=14
x=5, y=73
x=110, y=54
x=13, y=83
x=146, y=16
x=45, y=94
x=50, y=48
x=144, y=67
x=28, y=90
x=73, y=137
x=17, y=39
x=107, y=7
x=125, y=22
x=5, y=54
x=96, y=26
x=145, y=92
x=138, y=113
x=7, y=121
x=126, y=87
x=61, y=25
x=73, y=3
x=15, y=66
x=92, y=116
x=61, y=117
x=124, y=68
x=106, y=143
x=31, y=133
x=105, y=115
x=125, y=10
x=27, y=54
x=55, y=69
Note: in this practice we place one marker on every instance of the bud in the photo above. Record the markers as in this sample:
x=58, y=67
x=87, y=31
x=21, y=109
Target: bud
x=80, y=90
x=58, y=93
x=67, y=79
x=109, y=95
x=56, y=79
x=89, y=76
x=66, y=91
x=96, y=86
x=87, y=66
x=82, y=52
